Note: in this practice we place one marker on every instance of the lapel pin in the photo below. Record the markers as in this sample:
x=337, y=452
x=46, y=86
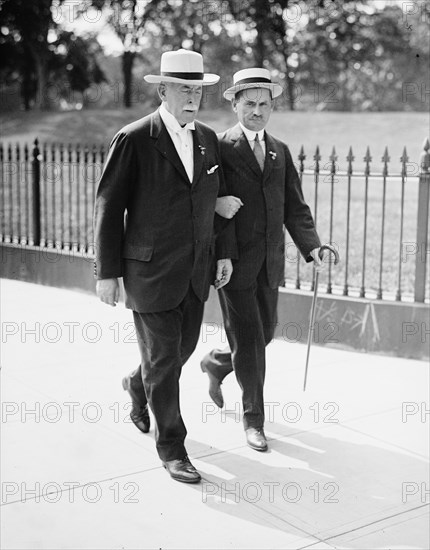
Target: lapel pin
x=202, y=149
x=272, y=154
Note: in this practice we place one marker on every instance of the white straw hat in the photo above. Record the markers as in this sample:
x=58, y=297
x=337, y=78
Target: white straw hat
x=252, y=78
x=184, y=67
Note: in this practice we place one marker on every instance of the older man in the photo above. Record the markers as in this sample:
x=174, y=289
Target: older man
x=154, y=219
x=266, y=195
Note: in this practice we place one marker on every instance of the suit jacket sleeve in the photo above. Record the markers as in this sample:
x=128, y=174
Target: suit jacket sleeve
x=110, y=204
x=297, y=216
x=224, y=229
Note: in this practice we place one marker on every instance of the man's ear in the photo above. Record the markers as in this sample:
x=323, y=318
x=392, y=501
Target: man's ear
x=234, y=105
x=162, y=91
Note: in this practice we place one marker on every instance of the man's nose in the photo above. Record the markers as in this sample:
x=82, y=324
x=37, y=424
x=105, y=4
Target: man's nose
x=257, y=110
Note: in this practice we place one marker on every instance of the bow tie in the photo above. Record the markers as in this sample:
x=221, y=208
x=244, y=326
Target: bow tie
x=189, y=126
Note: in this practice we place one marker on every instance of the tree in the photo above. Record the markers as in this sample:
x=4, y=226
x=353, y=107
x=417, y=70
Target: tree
x=29, y=24
x=268, y=20
x=76, y=63
x=33, y=60
x=359, y=56
x=128, y=18
x=17, y=65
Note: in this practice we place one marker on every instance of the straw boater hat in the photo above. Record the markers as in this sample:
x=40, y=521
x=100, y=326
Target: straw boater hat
x=252, y=78
x=183, y=67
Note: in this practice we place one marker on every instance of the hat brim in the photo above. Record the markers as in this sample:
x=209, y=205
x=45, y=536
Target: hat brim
x=276, y=89
x=208, y=79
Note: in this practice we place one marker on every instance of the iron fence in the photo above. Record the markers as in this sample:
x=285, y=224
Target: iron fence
x=48, y=195
x=376, y=216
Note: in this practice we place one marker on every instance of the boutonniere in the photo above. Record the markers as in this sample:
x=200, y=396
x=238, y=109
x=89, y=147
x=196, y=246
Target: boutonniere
x=202, y=149
x=212, y=170
x=272, y=154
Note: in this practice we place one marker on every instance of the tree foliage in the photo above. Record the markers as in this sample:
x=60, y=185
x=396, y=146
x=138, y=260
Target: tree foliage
x=327, y=54
x=37, y=54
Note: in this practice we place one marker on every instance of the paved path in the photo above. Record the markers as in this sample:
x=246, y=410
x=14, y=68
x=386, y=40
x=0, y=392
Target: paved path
x=347, y=467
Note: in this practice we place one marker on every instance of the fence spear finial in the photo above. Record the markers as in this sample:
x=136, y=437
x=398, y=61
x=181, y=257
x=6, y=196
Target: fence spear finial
x=301, y=158
x=317, y=158
x=36, y=150
x=350, y=157
x=367, y=159
x=333, y=159
x=425, y=157
x=404, y=159
x=385, y=159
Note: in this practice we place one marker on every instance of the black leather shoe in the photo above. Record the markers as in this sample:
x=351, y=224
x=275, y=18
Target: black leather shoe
x=139, y=415
x=215, y=391
x=182, y=470
x=256, y=439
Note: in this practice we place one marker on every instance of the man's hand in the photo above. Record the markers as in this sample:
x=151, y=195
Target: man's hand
x=108, y=291
x=224, y=269
x=227, y=206
x=318, y=262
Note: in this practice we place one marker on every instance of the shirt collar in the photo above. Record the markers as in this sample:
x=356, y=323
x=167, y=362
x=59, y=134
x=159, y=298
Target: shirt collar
x=171, y=122
x=250, y=134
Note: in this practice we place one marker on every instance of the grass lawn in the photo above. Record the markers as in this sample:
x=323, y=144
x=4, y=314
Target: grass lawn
x=342, y=130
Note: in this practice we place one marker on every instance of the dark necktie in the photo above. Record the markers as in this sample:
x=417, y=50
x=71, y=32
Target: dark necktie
x=258, y=152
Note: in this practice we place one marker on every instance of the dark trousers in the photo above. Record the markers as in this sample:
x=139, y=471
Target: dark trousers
x=166, y=341
x=250, y=317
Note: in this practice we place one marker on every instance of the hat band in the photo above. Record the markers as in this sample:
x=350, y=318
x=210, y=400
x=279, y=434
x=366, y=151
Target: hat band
x=253, y=80
x=184, y=76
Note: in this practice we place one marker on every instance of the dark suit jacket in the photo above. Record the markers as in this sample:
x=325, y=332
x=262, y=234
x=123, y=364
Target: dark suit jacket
x=271, y=200
x=152, y=227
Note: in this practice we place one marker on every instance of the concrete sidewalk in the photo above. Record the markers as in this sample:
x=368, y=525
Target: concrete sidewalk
x=347, y=466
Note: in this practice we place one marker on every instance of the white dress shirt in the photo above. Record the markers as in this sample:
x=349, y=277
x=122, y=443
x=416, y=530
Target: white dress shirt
x=250, y=136
x=182, y=139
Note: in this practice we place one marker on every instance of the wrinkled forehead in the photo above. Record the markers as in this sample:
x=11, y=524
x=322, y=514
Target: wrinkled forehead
x=179, y=87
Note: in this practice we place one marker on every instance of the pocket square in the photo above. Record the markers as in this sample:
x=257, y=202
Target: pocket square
x=212, y=170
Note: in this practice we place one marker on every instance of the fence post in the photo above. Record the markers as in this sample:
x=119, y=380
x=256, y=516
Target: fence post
x=35, y=184
x=422, y=223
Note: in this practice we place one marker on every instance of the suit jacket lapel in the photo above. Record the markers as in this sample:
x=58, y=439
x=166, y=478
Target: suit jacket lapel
x=269, y=161
x=243, y=148
x=198, y=152
x=165, y=144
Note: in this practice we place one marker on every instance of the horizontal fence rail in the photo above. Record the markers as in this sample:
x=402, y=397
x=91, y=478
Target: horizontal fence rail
x=376, y=216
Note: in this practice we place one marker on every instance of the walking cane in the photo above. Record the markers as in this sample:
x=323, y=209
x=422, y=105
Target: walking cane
x=314, y=301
